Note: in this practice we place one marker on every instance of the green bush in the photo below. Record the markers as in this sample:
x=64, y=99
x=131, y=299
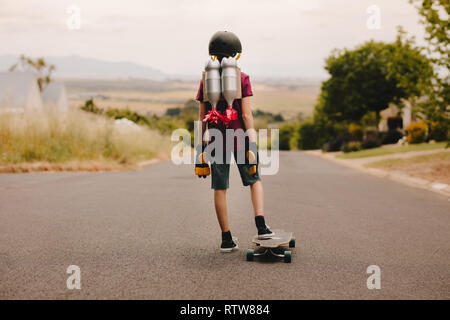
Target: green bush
x=351, y=146
x=370, y=142
x=166, y=126
x=286, y=132
x=271, y=117
x=173, y=112
x=338, y=142
x=307, y=133
x=90, y=106
x=416, y=132
x=356, y=132
x=184, y=118
x=439, y=131
x=371, y=139
x=262, y=119
x=128, y=114
x=391, y=136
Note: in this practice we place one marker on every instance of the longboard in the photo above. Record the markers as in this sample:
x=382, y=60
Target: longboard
x=279, y=239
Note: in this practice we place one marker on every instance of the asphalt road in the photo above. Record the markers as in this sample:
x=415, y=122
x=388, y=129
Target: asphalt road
x=152, y=234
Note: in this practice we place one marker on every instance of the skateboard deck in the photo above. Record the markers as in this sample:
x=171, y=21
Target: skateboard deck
x=281, y=238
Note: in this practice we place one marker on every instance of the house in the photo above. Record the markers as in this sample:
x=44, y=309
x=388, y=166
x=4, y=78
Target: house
x=19, y=92
x=55, y=97
x=393, y=111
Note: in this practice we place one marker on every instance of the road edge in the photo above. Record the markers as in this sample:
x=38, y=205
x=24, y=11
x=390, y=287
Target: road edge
x=433, y=186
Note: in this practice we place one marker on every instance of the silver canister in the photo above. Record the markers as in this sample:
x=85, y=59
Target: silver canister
x=229, y=80
x=212, y=79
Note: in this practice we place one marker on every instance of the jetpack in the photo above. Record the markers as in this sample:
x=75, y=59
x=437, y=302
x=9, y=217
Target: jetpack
x=221, y=80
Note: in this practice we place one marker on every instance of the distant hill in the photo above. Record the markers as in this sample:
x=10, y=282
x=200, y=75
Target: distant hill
x=89, y=68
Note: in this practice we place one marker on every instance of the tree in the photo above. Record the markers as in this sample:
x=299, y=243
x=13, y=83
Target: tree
x=435, y=15
x=435, y=18
x=38, y=67
x=358, y=83
x=410, y=68
x=371, y=77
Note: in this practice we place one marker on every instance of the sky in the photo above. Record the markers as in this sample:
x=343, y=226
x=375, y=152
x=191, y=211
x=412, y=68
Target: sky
x=283, y=38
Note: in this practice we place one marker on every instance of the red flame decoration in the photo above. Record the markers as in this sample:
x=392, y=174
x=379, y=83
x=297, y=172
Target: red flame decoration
x=231, y=114
x=214, y=116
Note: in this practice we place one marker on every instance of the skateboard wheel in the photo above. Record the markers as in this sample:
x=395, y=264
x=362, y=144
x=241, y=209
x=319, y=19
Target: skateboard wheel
x=250, y=254
x=287, y=256
x=292, y=243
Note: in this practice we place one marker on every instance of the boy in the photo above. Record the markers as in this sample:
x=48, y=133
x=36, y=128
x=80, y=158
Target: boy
x=227, y=44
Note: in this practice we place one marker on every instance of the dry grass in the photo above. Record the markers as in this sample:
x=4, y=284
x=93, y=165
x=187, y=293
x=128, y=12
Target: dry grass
x=75, y=141
x=287, y=101
x=432, y=167
x=140, y=101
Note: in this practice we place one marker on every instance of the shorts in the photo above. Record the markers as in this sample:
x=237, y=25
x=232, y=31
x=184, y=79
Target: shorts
x=220, y=175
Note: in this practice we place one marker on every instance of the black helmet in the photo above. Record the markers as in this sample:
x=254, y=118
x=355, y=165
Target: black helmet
x=224, y=43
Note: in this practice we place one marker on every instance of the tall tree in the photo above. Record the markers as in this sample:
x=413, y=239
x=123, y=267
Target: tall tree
x=38, y=67
x=410, y=67
x=435, y=17
x=371, y=77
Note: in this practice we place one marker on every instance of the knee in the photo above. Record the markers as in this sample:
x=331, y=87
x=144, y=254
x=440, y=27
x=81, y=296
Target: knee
x=256, y=184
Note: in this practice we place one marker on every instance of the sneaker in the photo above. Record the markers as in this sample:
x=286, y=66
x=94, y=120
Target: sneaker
x=265, y=233
x=228, y=246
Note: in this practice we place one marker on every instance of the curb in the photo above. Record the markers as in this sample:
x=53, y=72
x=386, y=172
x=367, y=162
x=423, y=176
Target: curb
x=149, y=162
x=397, y=176
x=162, y=157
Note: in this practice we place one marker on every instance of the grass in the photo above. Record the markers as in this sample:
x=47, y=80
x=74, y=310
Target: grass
x=158, y=97
x=282, y=100
x=33, y=142
x=397, y=162
x=391, y=149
